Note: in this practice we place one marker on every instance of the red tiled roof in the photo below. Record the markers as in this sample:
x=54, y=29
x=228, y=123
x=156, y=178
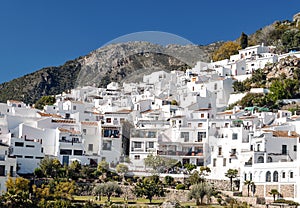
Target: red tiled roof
x=49, y=115
x=68, y=131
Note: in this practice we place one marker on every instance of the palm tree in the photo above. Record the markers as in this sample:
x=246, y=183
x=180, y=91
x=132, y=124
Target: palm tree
x=231, y=173
x=248, y=183
x=274, y=192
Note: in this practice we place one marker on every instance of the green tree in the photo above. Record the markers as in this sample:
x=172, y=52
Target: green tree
x=103, y=166
x=243, y=40
x=45, y=100
x=17, y=194
x=107, y=189
x=231, y=174
x=50, y=166
x=274, y=193
x=74, y=170
x=198, y=192
x=149, y=187
x=38, y=173
x=189, y=167
x=64, y=190
x=194, y=178
x=226, y=50
x=204, y=171
x=158, y=163
x=18, y=184
x=169, y=180
x=122, y=169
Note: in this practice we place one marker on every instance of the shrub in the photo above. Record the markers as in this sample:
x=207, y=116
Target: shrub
x=289, y=202
x=260, y=200
x=180, y=186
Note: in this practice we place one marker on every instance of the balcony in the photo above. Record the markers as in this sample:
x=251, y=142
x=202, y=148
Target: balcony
x=70, y=141
x=179, y=153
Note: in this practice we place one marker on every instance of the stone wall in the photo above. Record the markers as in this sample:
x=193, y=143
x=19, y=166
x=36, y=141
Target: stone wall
x=287, y=190
x=222, y=185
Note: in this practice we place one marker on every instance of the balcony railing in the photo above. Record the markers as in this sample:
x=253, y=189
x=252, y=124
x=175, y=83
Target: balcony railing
x=179, y=153
x=70, y=141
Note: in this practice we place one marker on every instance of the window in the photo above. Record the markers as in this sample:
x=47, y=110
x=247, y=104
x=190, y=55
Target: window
x=151, y=144
x=189, y=125
x=107, y=145
x=65, y=152
x=275, y=176
x=19, y=144
x=216, y=86
x=234, y=136
x=201, y=136
x=224, y=161
x=291, y=175
x=122, y=120
x=84, y=131
x=63, y=138
x=219, y=151
x=283, y=174
x=295, y=148
x=90, y=147
x=260, y=159
x=137, y=157
x=108, y=120
x=137, y=144
x=185, y=136
x=113, y=133
x=74, y=107
x=31, y=146
x=268, y=176
x=284, y=149
x=2, y=170
x=202, y=115
x=39, y=158
x=30, y=157
x=11, y=171
x=78, y=152
x=214, y=162
x=269, y=160
x=200, y=124
x=200, y=162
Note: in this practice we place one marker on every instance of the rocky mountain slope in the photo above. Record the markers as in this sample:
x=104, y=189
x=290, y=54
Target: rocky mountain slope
x=116, y=62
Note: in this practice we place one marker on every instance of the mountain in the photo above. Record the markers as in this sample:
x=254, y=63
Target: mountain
x=122, y=62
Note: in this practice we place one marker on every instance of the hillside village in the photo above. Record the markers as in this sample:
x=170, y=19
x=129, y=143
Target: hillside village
x=178, y=115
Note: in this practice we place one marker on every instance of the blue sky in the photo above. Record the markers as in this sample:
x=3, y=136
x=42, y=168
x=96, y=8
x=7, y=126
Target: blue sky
x=36, y=33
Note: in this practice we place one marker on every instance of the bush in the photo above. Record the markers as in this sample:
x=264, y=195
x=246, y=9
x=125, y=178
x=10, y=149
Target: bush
x=289, y=202
x=180, y=186
x=260, y=200
x=237, y=193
